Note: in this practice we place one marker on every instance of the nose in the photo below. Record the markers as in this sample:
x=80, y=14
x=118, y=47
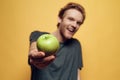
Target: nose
x=74, y=24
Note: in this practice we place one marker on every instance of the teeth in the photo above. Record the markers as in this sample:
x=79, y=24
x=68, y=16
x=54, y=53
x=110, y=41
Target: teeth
x=71, y=29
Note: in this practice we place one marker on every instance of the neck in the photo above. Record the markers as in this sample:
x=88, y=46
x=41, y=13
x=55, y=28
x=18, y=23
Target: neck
x=58, y=35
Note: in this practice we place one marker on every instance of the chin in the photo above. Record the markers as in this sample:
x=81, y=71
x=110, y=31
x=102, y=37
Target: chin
x=69, y=36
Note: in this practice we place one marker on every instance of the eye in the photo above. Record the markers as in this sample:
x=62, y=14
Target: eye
x=79, y=23
x=71, y=19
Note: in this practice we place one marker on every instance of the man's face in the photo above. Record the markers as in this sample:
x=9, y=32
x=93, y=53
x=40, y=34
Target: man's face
x=70, y=23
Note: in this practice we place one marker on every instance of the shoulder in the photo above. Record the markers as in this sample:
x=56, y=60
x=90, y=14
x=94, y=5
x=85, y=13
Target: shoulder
x=74, y=41
x=37, y=32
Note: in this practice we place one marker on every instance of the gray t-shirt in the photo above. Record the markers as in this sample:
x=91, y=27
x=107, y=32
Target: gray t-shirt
x=65, y=66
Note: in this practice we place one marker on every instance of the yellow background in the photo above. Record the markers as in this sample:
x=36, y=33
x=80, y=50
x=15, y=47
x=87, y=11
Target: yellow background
x=99, y=36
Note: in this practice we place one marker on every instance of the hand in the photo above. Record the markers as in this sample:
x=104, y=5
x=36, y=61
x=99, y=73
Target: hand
x=38, y=58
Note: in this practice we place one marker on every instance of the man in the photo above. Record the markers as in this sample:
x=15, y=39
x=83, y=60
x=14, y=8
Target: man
x=65, y=64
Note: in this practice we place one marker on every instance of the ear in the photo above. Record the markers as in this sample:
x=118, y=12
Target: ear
x=59, y=20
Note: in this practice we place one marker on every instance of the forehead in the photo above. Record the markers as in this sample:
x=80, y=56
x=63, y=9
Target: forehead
x=74, y=14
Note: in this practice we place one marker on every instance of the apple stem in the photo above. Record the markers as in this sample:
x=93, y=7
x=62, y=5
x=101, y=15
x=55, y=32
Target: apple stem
x=46, y=37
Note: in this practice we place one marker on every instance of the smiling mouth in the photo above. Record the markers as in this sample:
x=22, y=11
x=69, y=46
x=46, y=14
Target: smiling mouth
x=71, y=30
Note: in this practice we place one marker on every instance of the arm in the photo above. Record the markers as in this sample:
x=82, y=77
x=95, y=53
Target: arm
x=79, y=75
x=37, y=58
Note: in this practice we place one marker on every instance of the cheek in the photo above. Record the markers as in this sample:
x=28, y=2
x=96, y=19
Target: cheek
x=62, y=29
x=65, y=22
x=62, y=26
x=76, y=30
x=78, y=27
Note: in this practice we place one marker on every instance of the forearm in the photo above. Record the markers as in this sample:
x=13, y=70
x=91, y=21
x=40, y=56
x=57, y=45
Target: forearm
x=32, y=46
x=37, y=58
x=79, y=75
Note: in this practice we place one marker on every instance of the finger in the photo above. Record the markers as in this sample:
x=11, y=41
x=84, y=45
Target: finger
x=42, y=65
x=42, y=60
x=39, y=54
x=49, y=58
x=36, y=54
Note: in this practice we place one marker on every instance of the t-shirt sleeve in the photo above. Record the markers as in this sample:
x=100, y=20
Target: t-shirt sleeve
x=80, y=60
x=79, y=57
x=35, y=35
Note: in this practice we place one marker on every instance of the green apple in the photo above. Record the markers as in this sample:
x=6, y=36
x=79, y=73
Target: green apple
x=48, y=44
